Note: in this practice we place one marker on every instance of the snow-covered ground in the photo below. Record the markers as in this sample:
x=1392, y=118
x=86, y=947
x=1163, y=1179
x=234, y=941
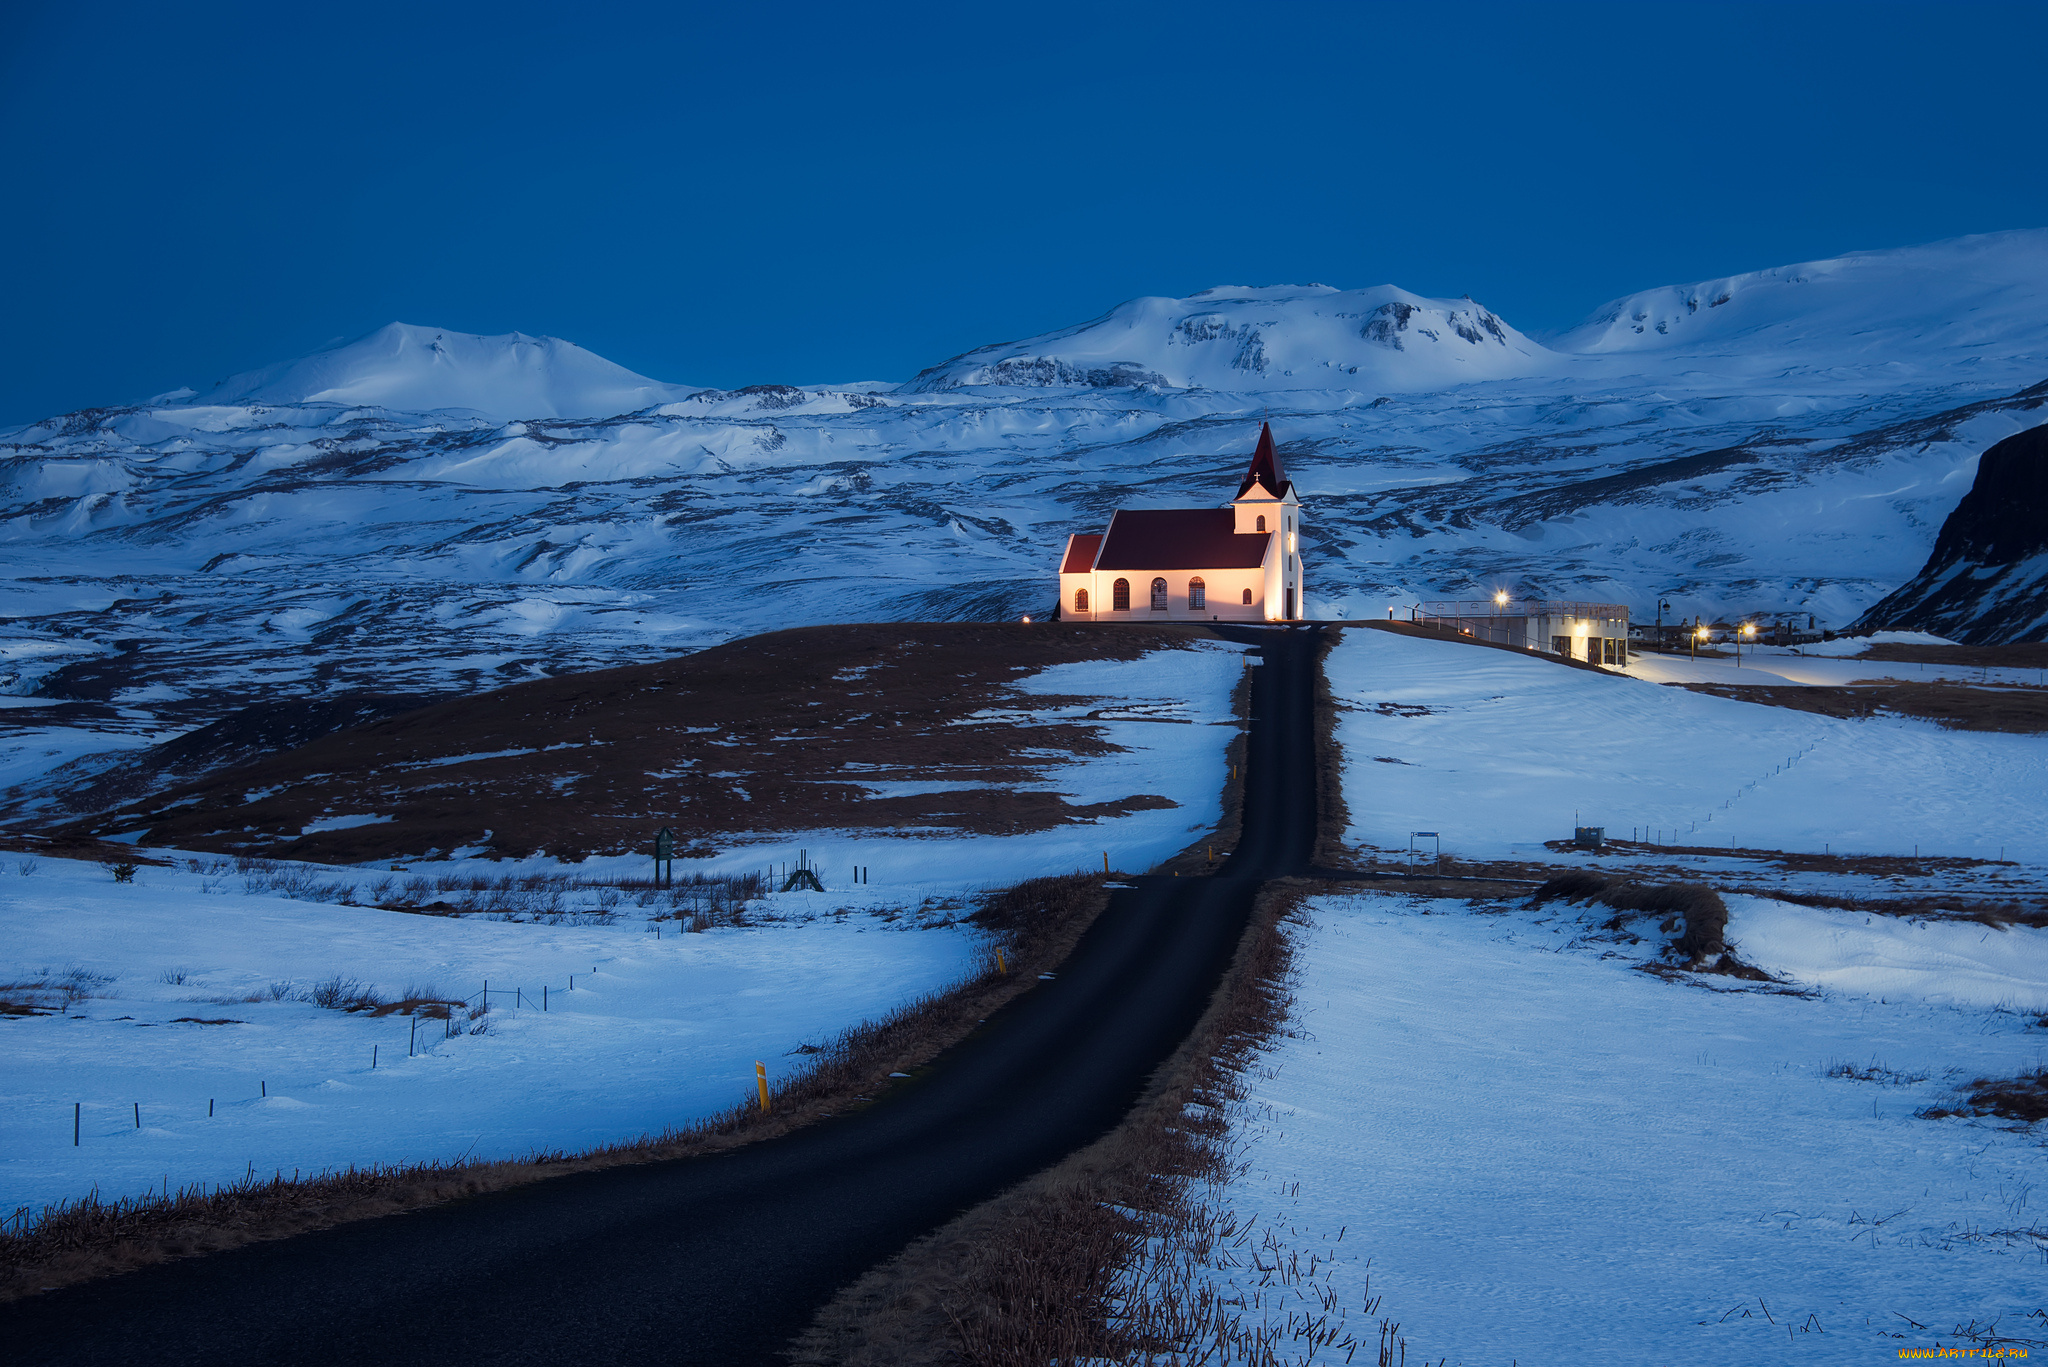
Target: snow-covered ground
x=657, y=1031
x=654, y=1032
x=1499, y=751
x=1542, y=1155
x=1785, y=440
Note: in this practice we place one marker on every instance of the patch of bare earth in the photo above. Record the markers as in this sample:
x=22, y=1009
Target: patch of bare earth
x=2021, y=710
x=794, y=730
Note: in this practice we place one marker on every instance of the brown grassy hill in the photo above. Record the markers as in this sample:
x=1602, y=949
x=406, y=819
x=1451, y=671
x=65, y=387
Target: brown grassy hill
x=770, y=733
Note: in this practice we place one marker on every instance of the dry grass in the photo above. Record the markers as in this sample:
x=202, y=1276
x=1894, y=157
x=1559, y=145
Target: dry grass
x=2023, y=1098
x=2019, y=710
x=1099, y=1259
x=1696, y=911
x=1036, y=923
x=1993, y=912
x=51, y=993
x=772, y=732
x=2033, y=656
x=1333, y=817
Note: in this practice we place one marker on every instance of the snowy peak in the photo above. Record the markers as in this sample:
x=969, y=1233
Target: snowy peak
x=424, y=370
x=1981, y=296
x=1236, y=338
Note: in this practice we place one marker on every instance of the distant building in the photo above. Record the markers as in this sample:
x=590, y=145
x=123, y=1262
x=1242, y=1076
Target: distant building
x=1594, y=632
x=1239, y=563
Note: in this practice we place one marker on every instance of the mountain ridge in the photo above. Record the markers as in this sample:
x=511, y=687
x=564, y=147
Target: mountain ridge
x=167, y=564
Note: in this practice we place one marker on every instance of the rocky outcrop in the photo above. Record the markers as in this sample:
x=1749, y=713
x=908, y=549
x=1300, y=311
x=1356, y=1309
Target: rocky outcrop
x=1986, y=582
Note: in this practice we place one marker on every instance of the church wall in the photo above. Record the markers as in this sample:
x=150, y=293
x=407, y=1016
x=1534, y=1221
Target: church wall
x=1223, y=589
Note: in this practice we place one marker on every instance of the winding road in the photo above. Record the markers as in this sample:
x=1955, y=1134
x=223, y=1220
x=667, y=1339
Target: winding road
x=722, y=1260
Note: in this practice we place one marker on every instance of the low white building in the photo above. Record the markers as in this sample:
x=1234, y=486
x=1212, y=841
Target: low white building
x=1594, y=632
x=1237, y=563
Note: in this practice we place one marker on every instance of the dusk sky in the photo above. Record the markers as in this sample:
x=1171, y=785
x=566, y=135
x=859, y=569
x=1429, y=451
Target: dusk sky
x=741, y=194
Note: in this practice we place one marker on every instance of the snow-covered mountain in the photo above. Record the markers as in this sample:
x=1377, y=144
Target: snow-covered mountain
x=1382, y=340
x=1971, y=301
x=427, y=370
x=390, y=517
x=1986, y=581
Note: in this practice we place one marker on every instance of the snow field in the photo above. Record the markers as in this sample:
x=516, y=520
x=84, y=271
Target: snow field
x=1515, y=750
x=1546, y=1156
x=656, y=1032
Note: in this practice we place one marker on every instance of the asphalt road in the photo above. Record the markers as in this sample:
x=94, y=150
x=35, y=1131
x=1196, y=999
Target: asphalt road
x=722, y=1260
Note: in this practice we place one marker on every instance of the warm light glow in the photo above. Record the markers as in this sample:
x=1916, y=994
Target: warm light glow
x=1749, y=628
x=1027, y=621
x=1500, y=600
x=1701, y=633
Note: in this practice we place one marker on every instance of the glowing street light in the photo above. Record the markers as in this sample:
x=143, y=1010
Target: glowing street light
x=1500, y=599
x=1748, y=634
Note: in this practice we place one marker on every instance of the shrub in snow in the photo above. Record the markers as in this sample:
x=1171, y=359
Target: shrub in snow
x=1704, y=916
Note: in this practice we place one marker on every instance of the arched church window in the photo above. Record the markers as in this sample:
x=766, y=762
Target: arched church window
x=1080, y=600
x=1247, y=597
x=1198, y=595
x=1158, y=595
x=1120, y=595
x=1262, y=522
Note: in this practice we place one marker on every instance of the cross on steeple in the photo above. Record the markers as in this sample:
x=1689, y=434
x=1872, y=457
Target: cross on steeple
x=1265, y=467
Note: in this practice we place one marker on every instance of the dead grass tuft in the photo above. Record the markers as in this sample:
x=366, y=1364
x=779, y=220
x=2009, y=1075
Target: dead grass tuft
x=2023, y=1098
x=1700, y=911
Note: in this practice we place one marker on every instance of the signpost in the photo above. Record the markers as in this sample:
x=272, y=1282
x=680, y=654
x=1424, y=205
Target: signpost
x=664, y=858
x=1414, y=836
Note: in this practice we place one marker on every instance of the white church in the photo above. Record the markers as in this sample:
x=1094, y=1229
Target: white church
x=1238, y=563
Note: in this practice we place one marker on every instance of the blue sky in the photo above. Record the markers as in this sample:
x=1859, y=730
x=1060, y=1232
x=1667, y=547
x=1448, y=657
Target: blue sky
x=740, y=194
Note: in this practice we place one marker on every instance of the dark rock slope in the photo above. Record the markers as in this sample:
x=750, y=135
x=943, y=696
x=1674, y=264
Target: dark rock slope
x=1986, y=582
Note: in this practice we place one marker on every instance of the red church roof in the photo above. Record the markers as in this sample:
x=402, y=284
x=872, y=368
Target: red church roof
x=1081, y=549
x=1177, y=539
x=1265, y=467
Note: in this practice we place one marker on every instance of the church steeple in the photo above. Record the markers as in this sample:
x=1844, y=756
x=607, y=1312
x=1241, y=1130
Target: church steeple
x=1265, y=468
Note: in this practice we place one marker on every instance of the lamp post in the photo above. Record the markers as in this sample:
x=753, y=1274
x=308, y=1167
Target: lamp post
x=1500, y=600
x=1662, y=608
x=1748, y=634
x=1699, y=633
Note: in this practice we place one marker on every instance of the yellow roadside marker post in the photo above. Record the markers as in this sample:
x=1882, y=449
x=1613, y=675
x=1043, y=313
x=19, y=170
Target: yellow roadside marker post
x=761, y=1081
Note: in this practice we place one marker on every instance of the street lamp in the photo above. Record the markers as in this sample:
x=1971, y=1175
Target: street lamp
x=1662, y=608
x=1748, y=634
x=1699, y=634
